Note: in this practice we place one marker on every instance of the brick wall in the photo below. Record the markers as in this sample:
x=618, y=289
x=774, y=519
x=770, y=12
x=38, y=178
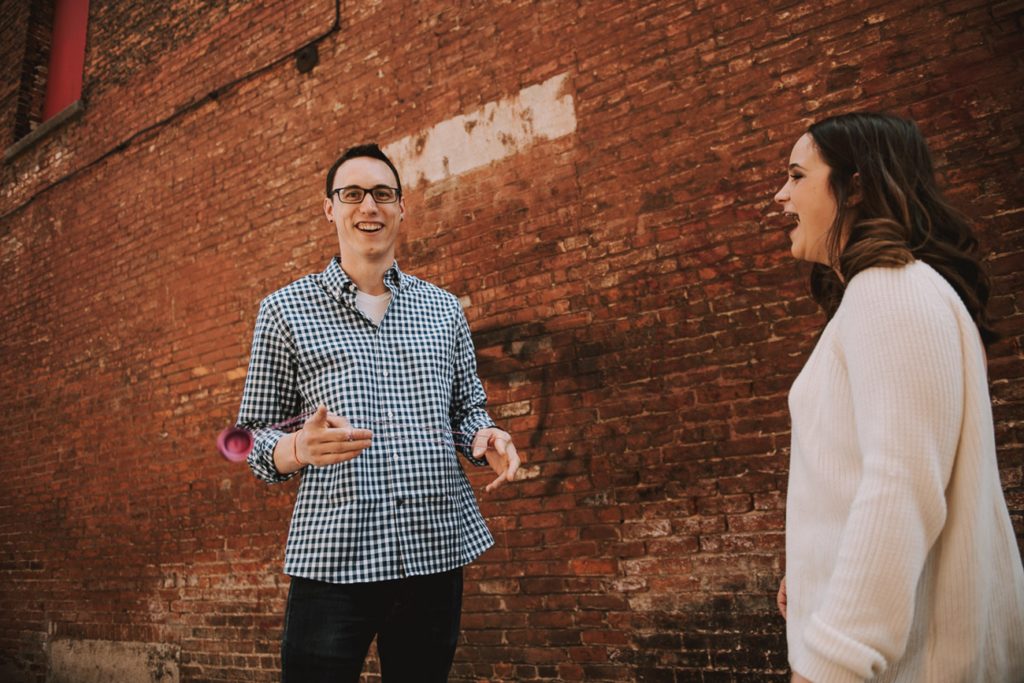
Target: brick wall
x=30, y=27
x=637, y=315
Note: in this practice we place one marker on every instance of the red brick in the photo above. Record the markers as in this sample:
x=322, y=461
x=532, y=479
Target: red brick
x=638, y=317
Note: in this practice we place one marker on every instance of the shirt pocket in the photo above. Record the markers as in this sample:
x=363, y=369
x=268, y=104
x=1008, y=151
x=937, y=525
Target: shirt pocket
x=327, y=357
x=427, y=359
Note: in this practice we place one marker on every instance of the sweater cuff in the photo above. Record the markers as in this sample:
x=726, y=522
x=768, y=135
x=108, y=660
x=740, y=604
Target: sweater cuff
x=832, y=657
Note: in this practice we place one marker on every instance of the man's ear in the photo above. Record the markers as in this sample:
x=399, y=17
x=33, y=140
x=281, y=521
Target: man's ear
x=856, y=194
x=329, y=210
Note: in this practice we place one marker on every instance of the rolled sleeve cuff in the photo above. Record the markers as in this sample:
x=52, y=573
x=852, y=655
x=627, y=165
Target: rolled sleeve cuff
x=261, y=459
x=470, y=426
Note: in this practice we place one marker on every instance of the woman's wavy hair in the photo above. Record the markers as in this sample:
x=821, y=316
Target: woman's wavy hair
x=899, y=214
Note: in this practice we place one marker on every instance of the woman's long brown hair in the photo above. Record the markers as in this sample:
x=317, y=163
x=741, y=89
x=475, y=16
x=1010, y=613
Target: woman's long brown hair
x=898, y=213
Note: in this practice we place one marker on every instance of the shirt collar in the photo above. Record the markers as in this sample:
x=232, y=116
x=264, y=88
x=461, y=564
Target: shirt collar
x=338, y=284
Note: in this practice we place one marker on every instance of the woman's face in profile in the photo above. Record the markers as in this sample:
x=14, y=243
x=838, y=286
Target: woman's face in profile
x=807, y=197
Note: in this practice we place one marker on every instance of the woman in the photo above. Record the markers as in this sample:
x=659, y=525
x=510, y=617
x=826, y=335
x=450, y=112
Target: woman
x=902, y=564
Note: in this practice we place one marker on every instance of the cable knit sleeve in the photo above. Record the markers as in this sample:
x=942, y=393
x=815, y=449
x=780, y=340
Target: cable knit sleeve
x=898, y=337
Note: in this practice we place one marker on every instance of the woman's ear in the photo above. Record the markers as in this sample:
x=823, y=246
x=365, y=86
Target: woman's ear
x=856, y=194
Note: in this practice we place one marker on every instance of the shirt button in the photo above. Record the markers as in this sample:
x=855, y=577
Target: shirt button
x=385, y=373
x=390, y=414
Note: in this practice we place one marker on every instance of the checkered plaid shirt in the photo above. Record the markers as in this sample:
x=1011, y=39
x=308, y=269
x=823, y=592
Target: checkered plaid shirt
x=404, y=506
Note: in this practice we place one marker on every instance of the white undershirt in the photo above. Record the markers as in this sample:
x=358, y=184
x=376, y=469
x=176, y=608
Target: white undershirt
x=373, y=306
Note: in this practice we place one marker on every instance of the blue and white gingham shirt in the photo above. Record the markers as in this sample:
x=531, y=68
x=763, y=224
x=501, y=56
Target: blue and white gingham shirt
x=404, y=506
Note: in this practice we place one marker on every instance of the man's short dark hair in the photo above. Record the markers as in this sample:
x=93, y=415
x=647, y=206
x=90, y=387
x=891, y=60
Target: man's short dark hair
x=368, y=150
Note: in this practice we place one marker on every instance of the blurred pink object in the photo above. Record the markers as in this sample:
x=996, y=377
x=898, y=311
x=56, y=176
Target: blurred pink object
x=234, y=443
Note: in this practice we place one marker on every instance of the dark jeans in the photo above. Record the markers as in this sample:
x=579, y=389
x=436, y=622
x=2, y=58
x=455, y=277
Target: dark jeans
x=328, y=628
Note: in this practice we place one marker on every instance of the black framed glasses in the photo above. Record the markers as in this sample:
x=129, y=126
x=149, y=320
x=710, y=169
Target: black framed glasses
x=353, y=194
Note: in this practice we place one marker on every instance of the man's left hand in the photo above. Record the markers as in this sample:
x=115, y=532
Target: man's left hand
x=496, y=445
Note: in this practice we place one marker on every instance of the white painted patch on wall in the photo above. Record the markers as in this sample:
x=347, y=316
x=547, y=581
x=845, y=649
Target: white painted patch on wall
x=496, y=131
x=102, y=661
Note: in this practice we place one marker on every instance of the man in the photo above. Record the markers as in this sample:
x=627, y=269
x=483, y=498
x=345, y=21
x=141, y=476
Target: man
x=384, y=519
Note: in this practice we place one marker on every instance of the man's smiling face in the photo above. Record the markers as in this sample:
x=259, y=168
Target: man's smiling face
x=367, y=231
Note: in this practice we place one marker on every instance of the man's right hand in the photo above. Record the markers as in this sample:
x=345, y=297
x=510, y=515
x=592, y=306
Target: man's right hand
x=326, y=439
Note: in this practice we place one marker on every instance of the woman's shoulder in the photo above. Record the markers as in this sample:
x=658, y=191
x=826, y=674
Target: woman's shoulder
x=914, y=282
x=915, y=295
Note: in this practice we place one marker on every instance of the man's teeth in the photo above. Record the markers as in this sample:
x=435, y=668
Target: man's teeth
x=369, y=227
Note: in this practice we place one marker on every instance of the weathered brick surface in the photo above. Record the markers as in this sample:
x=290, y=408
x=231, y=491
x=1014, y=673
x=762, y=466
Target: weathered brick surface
x=24, y=84
x=636, y=311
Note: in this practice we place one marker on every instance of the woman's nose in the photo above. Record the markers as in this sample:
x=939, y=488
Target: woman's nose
x=782, y=196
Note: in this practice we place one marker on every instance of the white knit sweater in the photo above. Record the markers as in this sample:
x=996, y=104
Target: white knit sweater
x=902, y=564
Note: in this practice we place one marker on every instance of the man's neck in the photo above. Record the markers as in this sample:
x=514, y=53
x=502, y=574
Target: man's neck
x=368, y=275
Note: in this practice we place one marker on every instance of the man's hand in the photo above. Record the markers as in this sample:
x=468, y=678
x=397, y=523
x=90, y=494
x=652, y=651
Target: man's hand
x=326, y=439
x=496, y=445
